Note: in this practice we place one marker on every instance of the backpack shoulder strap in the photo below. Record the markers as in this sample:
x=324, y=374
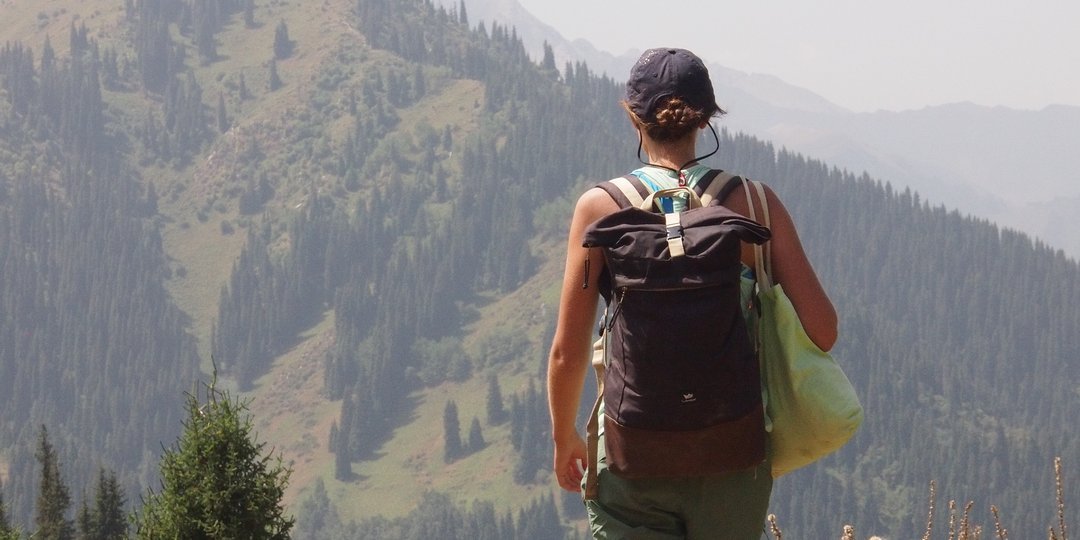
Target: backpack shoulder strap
x=720, y=185
x=627, y=190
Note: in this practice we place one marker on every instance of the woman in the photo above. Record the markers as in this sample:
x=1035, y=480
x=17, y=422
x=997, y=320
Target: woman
x=669, y=100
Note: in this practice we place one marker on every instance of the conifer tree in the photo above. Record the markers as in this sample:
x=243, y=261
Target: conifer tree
x=496, y=412
x=53, y=497
x=7, y=532
x=476, y=436
x=84, y=521
x=274, y=81
x=317, y=516
x=283, y=46
x=249, y=13
x=217, y=481
x=339, y=445
x=452, y=432
x=548, y=62
x=222, y=116
x=109, y=517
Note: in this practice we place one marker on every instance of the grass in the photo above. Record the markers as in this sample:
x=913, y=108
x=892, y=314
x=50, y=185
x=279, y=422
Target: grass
x=960, y=525
x=292, y=416
x=32, y=22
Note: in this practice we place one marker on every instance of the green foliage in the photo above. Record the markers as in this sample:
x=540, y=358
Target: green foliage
x=283, y=46
x=273, y=79
x=452, y=447
x=442, y=360
x=476, y=436
x=53, y=499
x=496, y=412
x=437, y=516
x=7, y=532
x=217, y=481
x=960, y=336
x=316, y=517
x=530, y=433
x=107, y=518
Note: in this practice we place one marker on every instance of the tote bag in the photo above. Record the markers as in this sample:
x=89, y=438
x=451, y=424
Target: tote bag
x=811, y=407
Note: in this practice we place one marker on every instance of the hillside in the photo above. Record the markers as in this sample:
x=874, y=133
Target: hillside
x=961, y=155
x=376, y=235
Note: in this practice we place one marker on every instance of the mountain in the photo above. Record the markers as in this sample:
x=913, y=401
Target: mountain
x=1013, y=167
x=356, y=214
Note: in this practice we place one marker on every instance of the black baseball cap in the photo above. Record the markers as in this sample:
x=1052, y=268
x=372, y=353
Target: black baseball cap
x=664, y=72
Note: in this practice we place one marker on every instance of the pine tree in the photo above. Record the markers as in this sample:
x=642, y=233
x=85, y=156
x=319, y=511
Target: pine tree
x=548, y=62
x=84, y=521
x=7, y=532
x=216, y=482
x=109, y=518
x=496, y=412
x=53, y=497
x=452, y=432
x=283, y=46
x=249, y=13
x=274, y=81
x=317, y=516
x=222, y=116
x=476, y=436
x=342, y=458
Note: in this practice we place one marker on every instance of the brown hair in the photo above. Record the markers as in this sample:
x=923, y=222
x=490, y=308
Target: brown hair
x=673, y=119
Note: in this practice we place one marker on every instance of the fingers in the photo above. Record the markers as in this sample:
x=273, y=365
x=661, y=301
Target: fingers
x=570, y=475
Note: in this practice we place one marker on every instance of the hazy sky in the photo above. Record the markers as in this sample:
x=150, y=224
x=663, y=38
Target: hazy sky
x=860, y=54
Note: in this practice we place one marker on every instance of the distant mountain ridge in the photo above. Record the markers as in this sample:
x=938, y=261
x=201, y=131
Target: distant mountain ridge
x=1016, y=168
x=379, y=235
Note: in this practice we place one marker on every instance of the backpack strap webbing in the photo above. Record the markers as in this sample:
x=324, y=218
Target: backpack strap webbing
x=718, y=187
x=629, y=190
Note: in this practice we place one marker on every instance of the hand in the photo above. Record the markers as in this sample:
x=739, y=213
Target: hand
x=570, y=461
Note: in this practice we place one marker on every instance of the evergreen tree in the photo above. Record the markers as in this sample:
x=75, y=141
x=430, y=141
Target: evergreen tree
x=7, y=532
x=283, y=46
x=249, y=13
x=548, y=62
x=496, y=412
x=84, y=521
x=342, y=458
x=476, y=436
x=317, y=517
x=274, y=81
x=216, y=481
x=463, y=16
x=451, y=432
x=109, y=518
x=53, y=497
x=222, y=116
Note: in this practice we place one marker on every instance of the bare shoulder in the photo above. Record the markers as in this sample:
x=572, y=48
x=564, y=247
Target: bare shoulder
x=737, y=201
x=594, y=204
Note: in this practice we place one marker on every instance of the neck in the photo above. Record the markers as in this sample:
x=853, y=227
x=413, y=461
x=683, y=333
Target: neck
x=670, y=154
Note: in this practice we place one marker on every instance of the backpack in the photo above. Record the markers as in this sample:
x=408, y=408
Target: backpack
x=677, y=369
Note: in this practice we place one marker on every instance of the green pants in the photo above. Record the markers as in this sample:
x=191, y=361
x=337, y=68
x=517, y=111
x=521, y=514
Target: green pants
x=719, y=507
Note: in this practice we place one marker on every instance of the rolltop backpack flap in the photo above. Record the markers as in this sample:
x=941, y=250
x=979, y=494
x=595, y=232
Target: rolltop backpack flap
x=638, y=246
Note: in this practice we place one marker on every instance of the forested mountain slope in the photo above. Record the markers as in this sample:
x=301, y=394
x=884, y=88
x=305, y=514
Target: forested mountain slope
x=360, y=208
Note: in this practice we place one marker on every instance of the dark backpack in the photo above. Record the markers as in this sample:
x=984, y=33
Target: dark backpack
x=680, y=379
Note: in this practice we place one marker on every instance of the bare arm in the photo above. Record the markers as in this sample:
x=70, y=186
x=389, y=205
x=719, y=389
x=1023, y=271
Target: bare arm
x=792, y=269
x=572, y=345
